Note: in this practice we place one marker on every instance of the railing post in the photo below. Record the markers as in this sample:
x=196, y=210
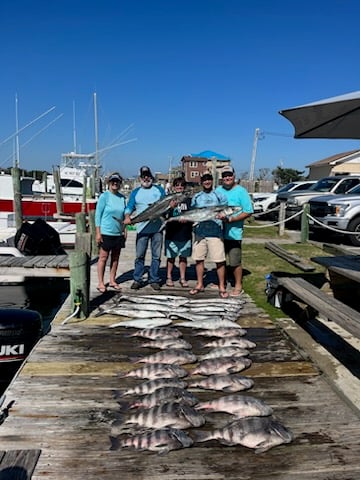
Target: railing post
x=15, y=173
x=79, y=262
x=80, y=220
x=305, y=224
x=281, y=218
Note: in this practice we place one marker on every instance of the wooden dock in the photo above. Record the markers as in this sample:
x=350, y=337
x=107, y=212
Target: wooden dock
x=36, y=266
x=66, y=401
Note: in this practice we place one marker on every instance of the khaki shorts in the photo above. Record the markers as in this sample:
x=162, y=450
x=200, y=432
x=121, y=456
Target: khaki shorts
x=211, y=248
x=233, y=252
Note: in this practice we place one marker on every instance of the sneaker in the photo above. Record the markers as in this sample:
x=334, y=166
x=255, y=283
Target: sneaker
x=155, y=286
x=135, y=285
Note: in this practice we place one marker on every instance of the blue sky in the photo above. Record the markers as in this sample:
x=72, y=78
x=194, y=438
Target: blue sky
x=179, y=76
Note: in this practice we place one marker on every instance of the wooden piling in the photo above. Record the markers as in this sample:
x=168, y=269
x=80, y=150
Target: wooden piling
x=15, y=173
x=281, y=218
x=80, y=282
x=58, y=193
x=305, y=224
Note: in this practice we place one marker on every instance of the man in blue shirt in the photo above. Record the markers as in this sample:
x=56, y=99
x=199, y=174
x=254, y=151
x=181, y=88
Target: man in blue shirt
x=237, y=196
x=209, y=237
x=140, y=199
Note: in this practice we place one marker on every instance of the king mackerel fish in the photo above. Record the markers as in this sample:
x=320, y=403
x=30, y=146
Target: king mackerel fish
x=203, y=214
x=158, y=209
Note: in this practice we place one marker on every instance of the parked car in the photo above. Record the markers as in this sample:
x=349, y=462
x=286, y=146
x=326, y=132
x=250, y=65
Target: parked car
x=267, y=201
x=339, y=184
x=340, y=212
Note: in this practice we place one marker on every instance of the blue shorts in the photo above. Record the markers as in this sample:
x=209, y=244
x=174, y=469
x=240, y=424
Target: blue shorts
x=178, y=249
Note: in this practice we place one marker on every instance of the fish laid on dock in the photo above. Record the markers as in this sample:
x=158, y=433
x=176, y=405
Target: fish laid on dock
x=221, y=352
x=225, y=365
x=170, y=356
x=222, y=332
x=143, y=323
x=162, y=441
x=157, y=333
x=223, y=383
x=231, y=342
x=210, y=324
x=238, y=405
x=151, y=386
x=259, y=433
x=158, y=370
x=164, y=395
x=166, y=343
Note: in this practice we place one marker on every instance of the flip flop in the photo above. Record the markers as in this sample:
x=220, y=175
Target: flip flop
x=183, y=283
x=101, y=289
x=237, y=293
x=223, y=294
x=115, y=286
x=195, y=291
x=169, y=282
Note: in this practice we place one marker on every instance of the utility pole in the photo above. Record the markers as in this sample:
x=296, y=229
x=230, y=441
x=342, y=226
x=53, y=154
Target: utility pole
x=253, y=156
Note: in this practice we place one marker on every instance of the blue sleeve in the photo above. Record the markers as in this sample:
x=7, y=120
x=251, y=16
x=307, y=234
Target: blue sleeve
x=100, y=209
x=161, y=190
x=130, y=207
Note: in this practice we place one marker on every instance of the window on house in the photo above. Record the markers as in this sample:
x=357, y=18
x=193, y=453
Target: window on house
x=193, y=163
x=194, y=174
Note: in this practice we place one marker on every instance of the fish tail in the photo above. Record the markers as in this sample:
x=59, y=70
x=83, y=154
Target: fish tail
x=114, y=443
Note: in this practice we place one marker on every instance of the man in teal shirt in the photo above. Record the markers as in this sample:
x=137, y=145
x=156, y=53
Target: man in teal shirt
x=237, y=196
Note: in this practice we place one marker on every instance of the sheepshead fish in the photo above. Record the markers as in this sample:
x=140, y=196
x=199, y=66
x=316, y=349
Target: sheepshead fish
x=162, y=441
x=220, y=352
x=222, y=332
x=221, y=365
x=259, y=433
x=163, y=395
x=166, y=343
x=238, y=405
x=171, y=414
x=171, y=356
x=157, y=370
x=224, y=383
x=202, y=214
x=231, y=342
x=151, y=386
x=157, y=333
x=158, y=208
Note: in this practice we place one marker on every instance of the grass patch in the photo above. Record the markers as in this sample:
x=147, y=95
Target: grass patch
x=258, y=261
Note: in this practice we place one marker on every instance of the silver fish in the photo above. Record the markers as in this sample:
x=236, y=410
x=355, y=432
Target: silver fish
x=224, y=383
x=142, y=323
x=151, y=386
x=157, y=370
x=162, y=441
x=157, y=333
x=231, y=342
x=209, y=324
x=158, y=208
x=204, y=214
x=259, y=433
x=165, y=343
x=238, y=405
x=156, y=299
x=221, y=365
x=171, y=414
x=165, y=394
x=122, y=312
x=171, y=356
x=149, y=307
x=220, y=352
x=222, y=332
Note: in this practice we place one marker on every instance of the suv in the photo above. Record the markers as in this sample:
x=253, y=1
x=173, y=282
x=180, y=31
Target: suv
x=267, y=201
x=336, y=184
x=341, y=212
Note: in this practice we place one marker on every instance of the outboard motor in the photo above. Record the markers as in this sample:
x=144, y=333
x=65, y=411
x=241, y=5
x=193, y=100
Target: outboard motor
x=19, y=331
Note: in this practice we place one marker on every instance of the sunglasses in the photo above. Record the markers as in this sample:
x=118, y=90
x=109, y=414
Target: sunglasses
x=228, y=175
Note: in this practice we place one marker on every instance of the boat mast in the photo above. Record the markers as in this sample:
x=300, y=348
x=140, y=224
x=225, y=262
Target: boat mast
x=96, y=138
x=74, y=128
x=17, y=145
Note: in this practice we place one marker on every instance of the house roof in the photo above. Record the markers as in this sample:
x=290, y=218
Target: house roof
x=334, y=159
x=209, y=154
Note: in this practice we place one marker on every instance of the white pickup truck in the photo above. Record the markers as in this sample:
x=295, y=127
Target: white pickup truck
x=339, y=212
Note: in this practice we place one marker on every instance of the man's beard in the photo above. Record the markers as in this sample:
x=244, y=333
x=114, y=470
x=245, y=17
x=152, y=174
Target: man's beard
x=146, y=183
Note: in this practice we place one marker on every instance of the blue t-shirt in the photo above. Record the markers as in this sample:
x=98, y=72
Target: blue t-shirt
x=208, y=228
x=237, y=196
x=110, y=205
x=140, y=199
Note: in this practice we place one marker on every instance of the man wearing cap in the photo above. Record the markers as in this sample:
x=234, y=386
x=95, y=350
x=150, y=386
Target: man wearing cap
x=237, y=196
x=110, y=235
x=140, y=199
x=209, y=237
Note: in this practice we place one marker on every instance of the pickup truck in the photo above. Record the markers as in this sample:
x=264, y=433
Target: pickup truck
x=340, y=212
x=338, y=184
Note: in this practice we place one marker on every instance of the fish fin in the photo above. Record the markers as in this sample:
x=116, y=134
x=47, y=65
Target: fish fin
x=263, y=447
x=114, y=443
x=228, y=389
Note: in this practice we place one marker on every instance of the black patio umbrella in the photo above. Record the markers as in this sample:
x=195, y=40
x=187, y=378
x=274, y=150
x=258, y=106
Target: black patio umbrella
x=335, y=117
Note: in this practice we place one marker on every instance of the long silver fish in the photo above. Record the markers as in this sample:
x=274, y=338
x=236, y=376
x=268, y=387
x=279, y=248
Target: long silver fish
x=171, y=356
x=259, y=433
x=238, y=405
x=157, y=209
x=231, y=342
x=222, y=332
x=130, y=313
x=221, y=365
x=163, y=395
x=157, y=370
x=162, y=441
x=151, y=386
x=209, y=324
x=203, y=214
x=223, y=383
x=142, y=323
x=171, y=414
x=172, y=300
